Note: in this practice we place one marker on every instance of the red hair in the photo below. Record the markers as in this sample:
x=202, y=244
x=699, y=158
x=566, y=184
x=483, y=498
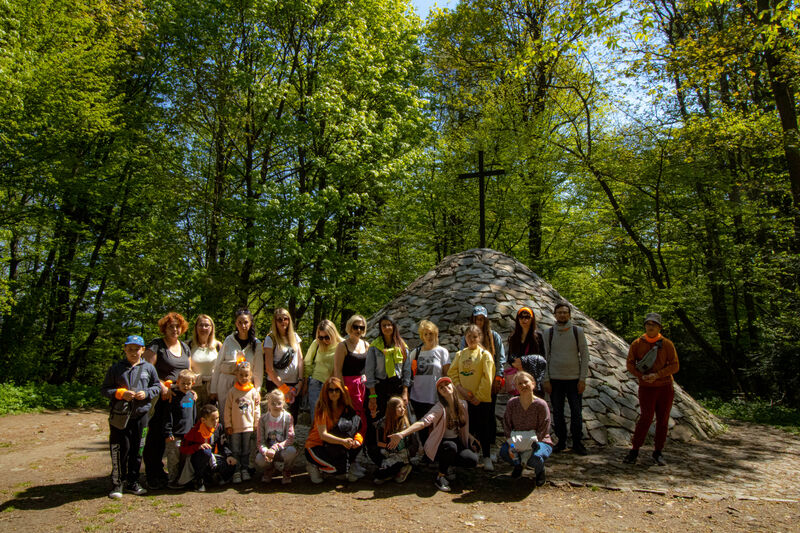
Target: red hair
x=324, y=403
x=171, y=317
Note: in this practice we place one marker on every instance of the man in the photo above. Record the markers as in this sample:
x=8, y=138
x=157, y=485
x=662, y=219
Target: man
x=653, y=360
x=565, y=378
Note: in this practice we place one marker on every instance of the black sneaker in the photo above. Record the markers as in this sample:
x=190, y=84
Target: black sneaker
x=659, y=459
x=135, y=488
x=560, y=447
x=541, y=478
x=442, y=484
x=630, y=459
x=116, y=492
x=517, y=472
x=579, y=449
x=156, y=484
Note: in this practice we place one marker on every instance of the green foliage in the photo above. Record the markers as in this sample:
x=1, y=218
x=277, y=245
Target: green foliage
x=40, y=396
x=756, y=411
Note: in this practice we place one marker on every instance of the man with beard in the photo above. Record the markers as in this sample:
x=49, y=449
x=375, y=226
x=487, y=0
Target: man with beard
x=565, y=378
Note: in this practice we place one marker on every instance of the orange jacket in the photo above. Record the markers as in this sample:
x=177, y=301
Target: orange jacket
x=665, y=365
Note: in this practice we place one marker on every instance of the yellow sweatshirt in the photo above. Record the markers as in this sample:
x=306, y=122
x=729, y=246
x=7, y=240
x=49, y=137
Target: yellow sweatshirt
x=473, y=370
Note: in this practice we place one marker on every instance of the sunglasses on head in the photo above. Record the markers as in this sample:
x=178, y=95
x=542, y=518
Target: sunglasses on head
x=359, y=327
x=324, y=337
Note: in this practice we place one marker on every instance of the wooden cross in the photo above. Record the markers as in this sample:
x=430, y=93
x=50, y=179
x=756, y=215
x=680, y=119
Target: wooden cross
x=481, y=174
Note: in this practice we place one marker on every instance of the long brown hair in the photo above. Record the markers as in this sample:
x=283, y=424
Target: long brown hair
x=393, y=423
x=486, y=330
x=516, y=342
x=456, y=415
x=324, y=404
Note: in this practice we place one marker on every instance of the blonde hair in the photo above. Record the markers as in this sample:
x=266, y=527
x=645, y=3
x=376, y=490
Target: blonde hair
x=290, y=338
x=353, y=319
x=427, y=325
x=522, y=374
x=186, y=373
x=212, y=336
x=276, y=394
x=330, y=328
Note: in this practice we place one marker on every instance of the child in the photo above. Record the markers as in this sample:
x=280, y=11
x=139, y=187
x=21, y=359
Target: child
x=206, y=446
x=178, y=416
x=131, y=384
x=533, y=364
x=242, y=410
x=473, y=374
x=396, y=461
x=275, y=438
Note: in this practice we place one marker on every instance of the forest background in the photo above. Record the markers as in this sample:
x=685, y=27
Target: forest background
x=201, y=155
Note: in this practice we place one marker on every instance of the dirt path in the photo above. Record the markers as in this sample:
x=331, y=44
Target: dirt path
x=55, y=470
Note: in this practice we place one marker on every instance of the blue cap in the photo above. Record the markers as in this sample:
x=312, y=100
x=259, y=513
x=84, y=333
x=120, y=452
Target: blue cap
x=480, y=310
x=135, y=339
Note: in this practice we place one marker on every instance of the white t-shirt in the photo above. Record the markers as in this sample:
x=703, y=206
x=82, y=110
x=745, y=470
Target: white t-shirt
x=203, y=359
x=288, y=374
x=429, y=370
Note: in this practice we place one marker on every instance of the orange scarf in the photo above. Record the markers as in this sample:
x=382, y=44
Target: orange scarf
x=205, y=431
x=652, y=340
x=244, y=388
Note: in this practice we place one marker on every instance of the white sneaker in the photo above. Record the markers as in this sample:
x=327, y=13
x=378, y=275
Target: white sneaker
x=237, y=477
x=116, y=493
x=354, y=474
x=314, y=474
x=487, y=464
x=245, y=475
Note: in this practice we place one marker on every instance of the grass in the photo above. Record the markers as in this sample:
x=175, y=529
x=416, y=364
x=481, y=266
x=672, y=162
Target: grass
x=755, y=411
x=41, y=396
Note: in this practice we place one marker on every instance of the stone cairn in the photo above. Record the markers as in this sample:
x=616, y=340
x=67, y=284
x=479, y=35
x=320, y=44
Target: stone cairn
x=446, y=295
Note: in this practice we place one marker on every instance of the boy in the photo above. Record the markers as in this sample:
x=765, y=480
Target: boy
x=131, y=385
x=178, y=416
x=207, y=448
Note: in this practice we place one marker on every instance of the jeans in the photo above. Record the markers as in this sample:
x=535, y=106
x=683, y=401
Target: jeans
x=566, y=389
x=314, y=388
x=240, y=446
x=535, y=457
x=451, y=452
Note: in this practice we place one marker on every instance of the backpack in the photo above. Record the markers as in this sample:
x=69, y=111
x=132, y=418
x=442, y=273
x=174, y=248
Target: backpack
x=550, y=342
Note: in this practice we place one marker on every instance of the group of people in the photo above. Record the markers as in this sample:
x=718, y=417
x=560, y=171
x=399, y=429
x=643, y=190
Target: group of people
x=199, y=403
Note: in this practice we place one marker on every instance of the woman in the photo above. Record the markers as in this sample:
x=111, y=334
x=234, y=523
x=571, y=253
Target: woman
x=242, y=344
x=526, y=348
x=169, y=355
x=319, y=359
x=526, y=425
x=349, y=362
x=388, y=371
x=653, y=360
x=205, y=348
x=429, y=362
x=472, y=372
x=283, y=360
x=334, y=440
x=449, y=441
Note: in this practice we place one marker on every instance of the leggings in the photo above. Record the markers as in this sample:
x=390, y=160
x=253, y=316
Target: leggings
x=452, y=452
x=482, y=424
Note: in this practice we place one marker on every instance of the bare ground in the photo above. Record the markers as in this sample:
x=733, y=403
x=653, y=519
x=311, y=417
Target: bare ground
x=55, y=470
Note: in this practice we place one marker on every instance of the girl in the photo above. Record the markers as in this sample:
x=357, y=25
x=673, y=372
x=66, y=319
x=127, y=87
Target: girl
x=283, y=360
x=319, y=360
x=275, y=439
x=242, y=411
x=334, y=440
x=472, y=373
x=429, y=362
x=526, y=348
x=242, y=344
x=388, y=371
x=527, y=428
x=396, y=461
x=205, y=348
x=492, y=342
x=349, y=362
x=449, y=441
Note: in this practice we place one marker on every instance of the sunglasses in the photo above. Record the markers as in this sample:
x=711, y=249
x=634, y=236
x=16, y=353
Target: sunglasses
x=331, y=391
x=324, y=337
x=359, y=327
x=524, y=317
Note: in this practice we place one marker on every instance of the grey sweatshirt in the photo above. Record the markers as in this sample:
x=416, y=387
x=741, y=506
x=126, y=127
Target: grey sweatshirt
x=565, y=359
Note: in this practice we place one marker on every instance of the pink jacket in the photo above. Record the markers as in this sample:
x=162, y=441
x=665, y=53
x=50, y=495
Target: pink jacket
x=436, y=419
